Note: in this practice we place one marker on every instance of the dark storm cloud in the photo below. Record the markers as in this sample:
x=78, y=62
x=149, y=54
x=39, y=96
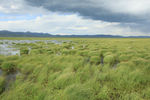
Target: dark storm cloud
x=86, y=8
x=141, y=27
x=129, y=13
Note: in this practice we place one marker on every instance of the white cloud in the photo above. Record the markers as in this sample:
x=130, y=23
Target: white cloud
x=58, y=23
x=55, y=23
x=133, y=7
x=19, y=7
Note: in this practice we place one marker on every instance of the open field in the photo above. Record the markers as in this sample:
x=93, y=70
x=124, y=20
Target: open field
x=76, y=69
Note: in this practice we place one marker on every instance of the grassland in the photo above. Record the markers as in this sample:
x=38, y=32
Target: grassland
x=82, y=69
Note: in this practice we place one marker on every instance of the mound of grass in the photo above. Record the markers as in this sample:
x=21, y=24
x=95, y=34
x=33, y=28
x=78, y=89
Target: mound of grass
x=95, y=60
x=94, y=53
x=77, y=92
x=24, y=51
x=12, y=58
x=87, y=72
x=64, y=80
x=109, y=59
x=1, y=60
x=83, y=53
x=9, y=67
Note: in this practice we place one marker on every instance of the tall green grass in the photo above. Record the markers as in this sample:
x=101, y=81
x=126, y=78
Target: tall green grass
x=96, y=69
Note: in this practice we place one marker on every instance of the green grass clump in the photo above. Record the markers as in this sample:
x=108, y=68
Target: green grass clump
x=9, y=66
x=125, y=57
x=24, y=51
x=64, y=80
x=77, y=92
x=12, y=58
x=95, y=69
x=94, y=53
x=95, y=60
x=83, y=53
x=1, y=60
x=110, y=59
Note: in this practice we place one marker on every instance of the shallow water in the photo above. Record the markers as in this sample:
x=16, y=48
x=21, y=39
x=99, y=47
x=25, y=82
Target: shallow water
x=32, y=41
x=102, y=60
x=72, y=47
x=6, y=49
x=9, y=78
x=7, y=46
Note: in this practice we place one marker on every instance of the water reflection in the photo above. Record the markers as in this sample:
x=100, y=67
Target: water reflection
x=9, y=78
x=7, y=46
x=6, y=49
x=32, y=41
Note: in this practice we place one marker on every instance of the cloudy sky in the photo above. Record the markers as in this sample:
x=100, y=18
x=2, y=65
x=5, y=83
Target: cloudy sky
x=114, y=17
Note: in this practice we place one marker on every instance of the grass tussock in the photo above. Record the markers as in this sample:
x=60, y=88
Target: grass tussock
x=94, y=69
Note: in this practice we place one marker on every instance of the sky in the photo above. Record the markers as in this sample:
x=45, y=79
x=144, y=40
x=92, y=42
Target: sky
x=78, y=17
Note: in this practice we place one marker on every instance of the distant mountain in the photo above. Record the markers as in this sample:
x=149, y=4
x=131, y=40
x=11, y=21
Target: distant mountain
x=6, y=33
x=22, y=34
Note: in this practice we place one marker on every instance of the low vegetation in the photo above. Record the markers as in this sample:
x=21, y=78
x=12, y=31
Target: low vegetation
x=82, y=69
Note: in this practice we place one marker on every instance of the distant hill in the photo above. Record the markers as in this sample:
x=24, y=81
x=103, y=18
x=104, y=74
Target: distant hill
x=22, y=34
x=6, y=33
